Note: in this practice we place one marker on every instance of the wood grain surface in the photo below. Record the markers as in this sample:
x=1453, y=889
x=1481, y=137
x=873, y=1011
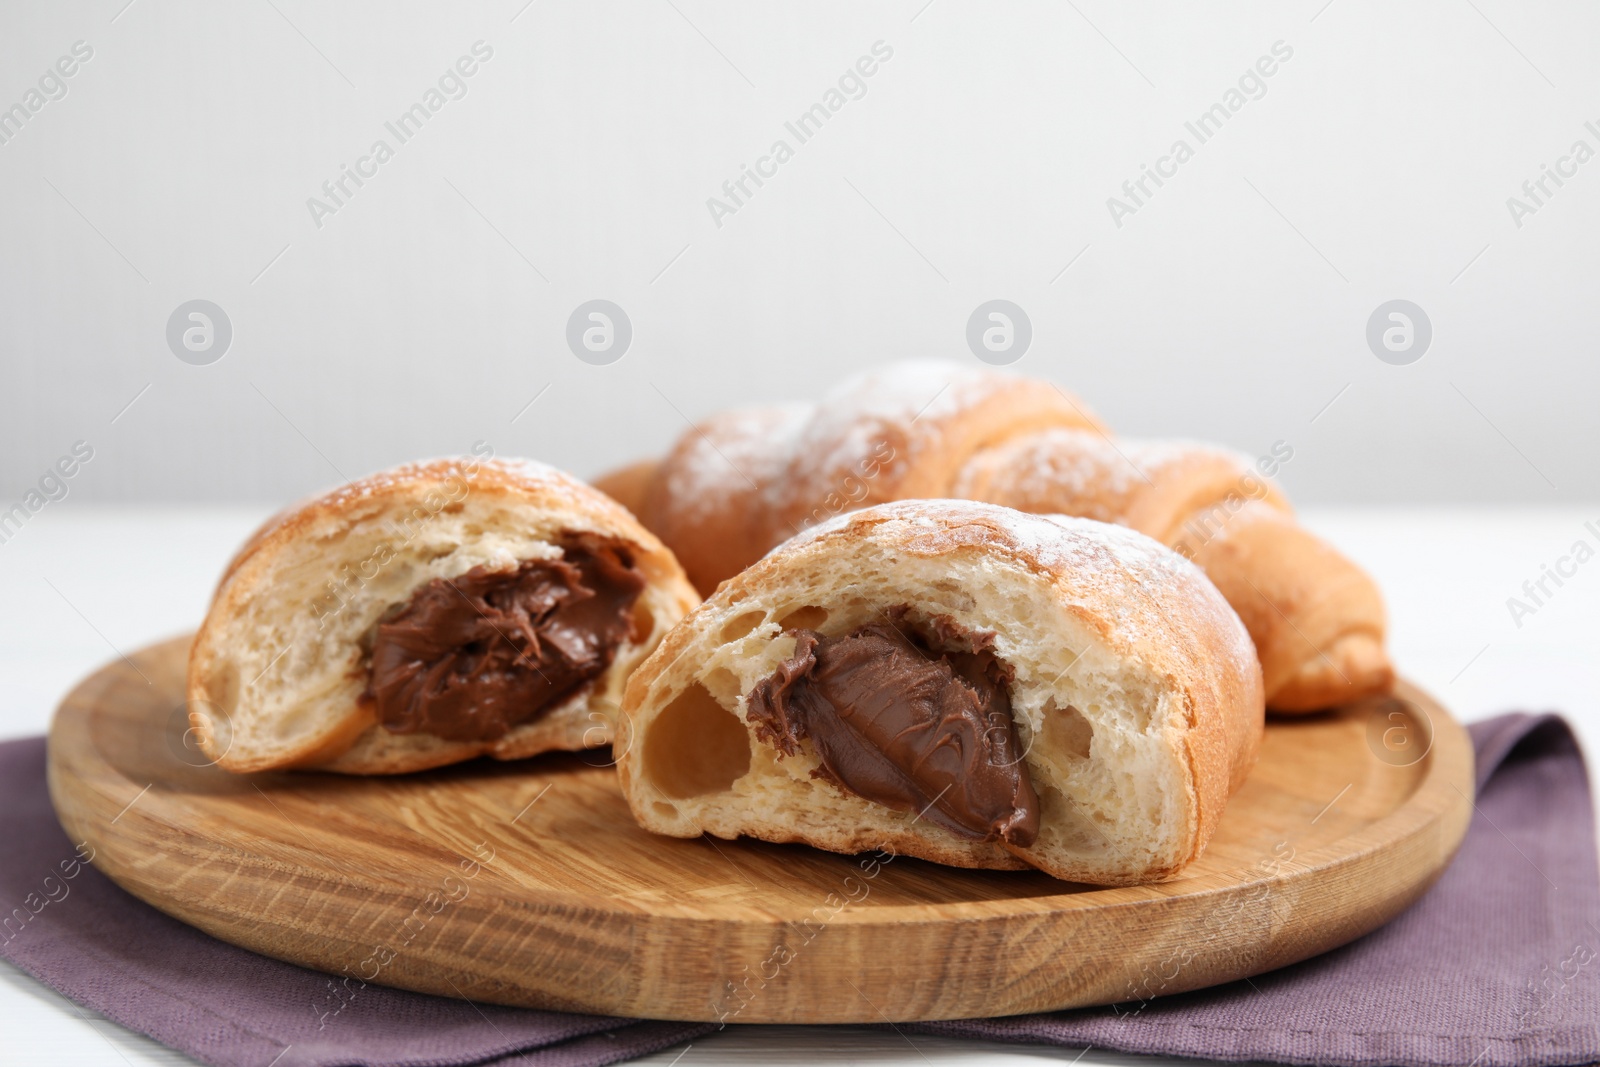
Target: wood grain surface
x=528, y=883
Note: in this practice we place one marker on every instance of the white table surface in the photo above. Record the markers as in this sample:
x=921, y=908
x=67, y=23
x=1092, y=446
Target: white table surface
x=78, y=584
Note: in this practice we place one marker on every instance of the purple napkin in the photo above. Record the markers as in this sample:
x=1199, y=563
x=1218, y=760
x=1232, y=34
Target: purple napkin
x=1498, y=964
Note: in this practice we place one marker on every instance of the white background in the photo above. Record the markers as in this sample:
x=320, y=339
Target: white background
x=431, y=308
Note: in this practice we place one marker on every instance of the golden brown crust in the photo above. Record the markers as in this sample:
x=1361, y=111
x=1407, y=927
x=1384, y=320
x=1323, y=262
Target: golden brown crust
x=745, y=480
x=942, y=430
x=1140, y=602
x=627, y=485
x=711, y=493
x=1160, y=488
x=904, y=433
x=280, y=570
x=1316, y=619
x=377, y=751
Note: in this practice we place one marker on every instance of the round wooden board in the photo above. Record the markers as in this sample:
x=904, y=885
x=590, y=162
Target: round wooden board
x=528, y=883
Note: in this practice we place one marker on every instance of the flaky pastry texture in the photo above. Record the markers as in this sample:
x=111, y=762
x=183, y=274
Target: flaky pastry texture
x=747, y=479
x=279, y=670
x=1135, y=692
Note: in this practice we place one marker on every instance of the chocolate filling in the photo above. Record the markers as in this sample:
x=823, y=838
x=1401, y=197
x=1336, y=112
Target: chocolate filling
x=468, y=658
x=897, y=721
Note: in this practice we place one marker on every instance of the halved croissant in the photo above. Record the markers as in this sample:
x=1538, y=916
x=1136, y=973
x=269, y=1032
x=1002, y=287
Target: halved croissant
x=959, y=682
x=427, y=614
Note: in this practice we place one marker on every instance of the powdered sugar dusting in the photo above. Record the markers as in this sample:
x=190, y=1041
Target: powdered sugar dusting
x=1146, y=589
x=1081, y=472
x=729, y=453
x=911, y=389
x=468, y=469
x=853, y=415
x=1155, y=455
x=1074, y=469
x=749, y=452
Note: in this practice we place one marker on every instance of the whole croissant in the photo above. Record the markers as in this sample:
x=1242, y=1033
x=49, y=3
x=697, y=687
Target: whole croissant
x=746, y=480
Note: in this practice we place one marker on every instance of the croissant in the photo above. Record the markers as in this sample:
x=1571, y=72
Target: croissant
x=1316, y=618
x=746, y=480
x=428, y=614
x=954, y=681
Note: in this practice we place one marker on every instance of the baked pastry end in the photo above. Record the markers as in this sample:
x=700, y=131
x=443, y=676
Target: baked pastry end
x=959, y=682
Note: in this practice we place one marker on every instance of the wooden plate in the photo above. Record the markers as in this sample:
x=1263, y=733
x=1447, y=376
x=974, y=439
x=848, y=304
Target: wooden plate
x=528, y=883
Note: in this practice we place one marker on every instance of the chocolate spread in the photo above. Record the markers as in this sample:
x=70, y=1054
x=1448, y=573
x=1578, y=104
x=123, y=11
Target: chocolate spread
x=468, y=658
x=898, y=722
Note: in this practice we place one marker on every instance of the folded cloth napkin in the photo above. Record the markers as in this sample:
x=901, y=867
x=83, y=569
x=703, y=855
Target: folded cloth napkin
x=1498, y=964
